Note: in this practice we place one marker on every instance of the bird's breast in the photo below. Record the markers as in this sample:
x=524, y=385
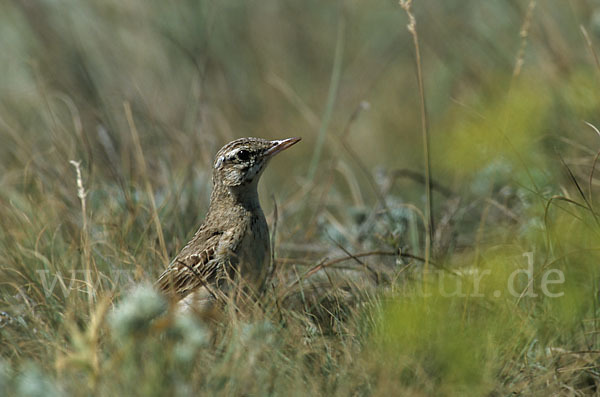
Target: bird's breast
x=254, y=251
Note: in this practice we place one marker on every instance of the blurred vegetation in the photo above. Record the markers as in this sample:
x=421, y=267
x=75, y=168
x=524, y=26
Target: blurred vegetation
x=141, y=94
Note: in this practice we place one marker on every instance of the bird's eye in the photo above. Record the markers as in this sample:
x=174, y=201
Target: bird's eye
x=243, y=155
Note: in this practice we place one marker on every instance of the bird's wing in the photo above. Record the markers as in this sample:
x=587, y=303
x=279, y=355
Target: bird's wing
x=200, y=262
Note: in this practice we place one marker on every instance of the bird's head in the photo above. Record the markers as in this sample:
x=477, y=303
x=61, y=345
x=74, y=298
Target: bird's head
x=242, y=161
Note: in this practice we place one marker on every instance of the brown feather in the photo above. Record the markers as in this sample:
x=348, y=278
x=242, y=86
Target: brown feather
x=234, y=238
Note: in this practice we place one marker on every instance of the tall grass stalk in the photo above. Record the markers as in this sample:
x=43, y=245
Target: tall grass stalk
x=334, y=83
x=141, y=162
x=524, y=33
x=85, y=242
x=412, y=28
x=519, y=62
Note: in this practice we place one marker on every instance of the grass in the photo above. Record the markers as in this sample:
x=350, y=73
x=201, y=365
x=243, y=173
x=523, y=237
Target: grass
x=110, y=115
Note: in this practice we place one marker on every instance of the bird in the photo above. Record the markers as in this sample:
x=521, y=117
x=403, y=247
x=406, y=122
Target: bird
x=233, y=242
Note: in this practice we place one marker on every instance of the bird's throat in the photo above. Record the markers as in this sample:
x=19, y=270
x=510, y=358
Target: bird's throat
x=229, y=198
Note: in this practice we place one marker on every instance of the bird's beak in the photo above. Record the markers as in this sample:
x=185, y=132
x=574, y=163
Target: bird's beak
x=279, y=145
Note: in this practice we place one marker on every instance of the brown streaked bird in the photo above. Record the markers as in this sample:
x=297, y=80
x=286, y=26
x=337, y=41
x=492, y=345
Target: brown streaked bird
x=234, y=238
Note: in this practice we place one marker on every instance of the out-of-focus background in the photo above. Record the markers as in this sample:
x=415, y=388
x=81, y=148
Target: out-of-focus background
x=140, y=95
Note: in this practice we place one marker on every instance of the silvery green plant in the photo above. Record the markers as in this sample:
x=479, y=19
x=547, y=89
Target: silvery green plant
x=33, y=383
x=5, y=372
x=194, y=336
x=134, y=313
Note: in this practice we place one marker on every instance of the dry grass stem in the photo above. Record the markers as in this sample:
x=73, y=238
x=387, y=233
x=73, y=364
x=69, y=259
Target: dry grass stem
x=85, y=239
x=141, y=163
x=412, y=28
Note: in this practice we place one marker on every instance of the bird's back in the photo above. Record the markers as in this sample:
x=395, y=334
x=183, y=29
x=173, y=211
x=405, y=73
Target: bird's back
x=218, y=254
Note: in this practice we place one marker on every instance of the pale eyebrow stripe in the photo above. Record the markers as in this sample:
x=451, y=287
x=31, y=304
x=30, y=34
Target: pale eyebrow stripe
x=219, y=161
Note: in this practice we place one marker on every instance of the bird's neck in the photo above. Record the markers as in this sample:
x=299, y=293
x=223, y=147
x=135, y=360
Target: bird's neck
x=227, y=198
